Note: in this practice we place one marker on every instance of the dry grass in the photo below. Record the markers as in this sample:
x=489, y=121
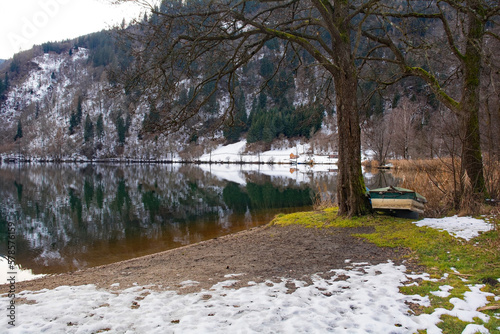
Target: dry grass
x=434, y=187
x=368, y=164
x=427, y=165
x=495, y=220
x=439, y=181
x=492, y=176
x=323, y=199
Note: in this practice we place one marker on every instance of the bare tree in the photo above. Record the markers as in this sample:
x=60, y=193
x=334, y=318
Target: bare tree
x=449, y=59
x=378, y=136
x=402, y=120
x=206, y=43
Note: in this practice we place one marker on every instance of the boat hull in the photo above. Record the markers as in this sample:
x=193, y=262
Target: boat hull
x=397, y=199
x=397, y=204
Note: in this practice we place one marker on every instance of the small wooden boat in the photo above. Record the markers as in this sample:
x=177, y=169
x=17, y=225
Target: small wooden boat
x=395, y=198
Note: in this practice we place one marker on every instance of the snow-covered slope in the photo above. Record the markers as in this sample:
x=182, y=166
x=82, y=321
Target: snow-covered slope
x=45, y=98
x=68, y=109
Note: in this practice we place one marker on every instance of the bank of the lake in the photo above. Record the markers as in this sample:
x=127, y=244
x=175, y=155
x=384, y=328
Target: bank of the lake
x=67, y=216
x=459, y=257
x=70, y=217
x=418, y=277
x=269, y=252
x=289, y=153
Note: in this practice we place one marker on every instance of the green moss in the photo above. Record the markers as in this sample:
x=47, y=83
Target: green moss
x=307, y=219
x=318, y=219
x=451, y=324
x=494, y=324
x=477, y=261
x=436, y=87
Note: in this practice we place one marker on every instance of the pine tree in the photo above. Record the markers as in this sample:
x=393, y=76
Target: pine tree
x=266, y=67
x=262, y=101
x=151, y=120
x=19, y=133
x=15, y=65
x=268, y=133
x=72, y=123
x=99, y=127
x=76, y=117
x=79, y=110
x=232, y=132
x=121, y=130
x=88, y=130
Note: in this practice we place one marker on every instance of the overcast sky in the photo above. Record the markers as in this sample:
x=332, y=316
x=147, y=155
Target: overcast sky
x=24, y=23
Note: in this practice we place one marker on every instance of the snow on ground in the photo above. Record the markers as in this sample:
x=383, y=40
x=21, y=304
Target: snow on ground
x=21, y=274
x=460, y=227
x=364, y=299
x=361, y=299
x=235, y=153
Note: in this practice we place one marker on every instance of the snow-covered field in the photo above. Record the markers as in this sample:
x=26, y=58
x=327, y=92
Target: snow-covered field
x=362, y=299
x=234, y=153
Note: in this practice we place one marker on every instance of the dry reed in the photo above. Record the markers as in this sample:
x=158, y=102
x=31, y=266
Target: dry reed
x=492, y=176
x=427, y=165
x=439, y=181
x=323, y=199
x=370, y=164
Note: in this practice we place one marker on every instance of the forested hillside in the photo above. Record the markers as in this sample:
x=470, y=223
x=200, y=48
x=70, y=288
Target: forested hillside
x=67, y=100
x=60, y=96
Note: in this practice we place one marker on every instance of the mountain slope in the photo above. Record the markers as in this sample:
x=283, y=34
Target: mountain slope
x=62, y=98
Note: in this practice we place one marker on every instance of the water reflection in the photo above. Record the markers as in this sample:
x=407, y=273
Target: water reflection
x=380, y=179
x=70, y=217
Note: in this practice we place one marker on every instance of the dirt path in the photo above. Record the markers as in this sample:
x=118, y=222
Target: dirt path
x=259, y=254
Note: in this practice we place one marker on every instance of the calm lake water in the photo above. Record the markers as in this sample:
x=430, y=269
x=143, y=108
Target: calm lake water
x=68, y=217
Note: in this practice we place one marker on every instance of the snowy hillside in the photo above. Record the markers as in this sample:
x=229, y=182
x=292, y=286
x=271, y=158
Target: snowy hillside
x=44, y=101
x=60, y=102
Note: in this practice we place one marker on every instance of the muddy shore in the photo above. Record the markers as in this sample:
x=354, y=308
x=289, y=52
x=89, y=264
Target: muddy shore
x=259, y=254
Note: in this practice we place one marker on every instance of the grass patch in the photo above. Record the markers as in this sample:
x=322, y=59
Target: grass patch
x=318, y=219
x=306, y=219
x=451, y=261
x=451, y=324
x=439, y=251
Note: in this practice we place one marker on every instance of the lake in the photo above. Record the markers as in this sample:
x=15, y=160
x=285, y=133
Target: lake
x=68, y=217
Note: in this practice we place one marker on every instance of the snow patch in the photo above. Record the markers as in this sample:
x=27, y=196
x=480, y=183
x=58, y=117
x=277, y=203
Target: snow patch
x=20, y=273
x=444, y=291
x=460, y=227
x=369, y=298
x=358, y=300
x=299, y=154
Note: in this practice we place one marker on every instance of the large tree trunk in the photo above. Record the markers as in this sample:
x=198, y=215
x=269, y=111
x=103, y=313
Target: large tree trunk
x=472, y=161
x=351, y=190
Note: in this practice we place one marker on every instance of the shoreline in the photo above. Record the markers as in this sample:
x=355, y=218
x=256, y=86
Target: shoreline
x=261, y=253
x=155, y=162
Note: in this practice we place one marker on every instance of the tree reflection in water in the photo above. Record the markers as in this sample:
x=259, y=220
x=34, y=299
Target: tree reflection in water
x=70, y=217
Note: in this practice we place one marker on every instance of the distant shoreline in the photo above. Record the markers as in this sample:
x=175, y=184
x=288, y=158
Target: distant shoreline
x=165, y=162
